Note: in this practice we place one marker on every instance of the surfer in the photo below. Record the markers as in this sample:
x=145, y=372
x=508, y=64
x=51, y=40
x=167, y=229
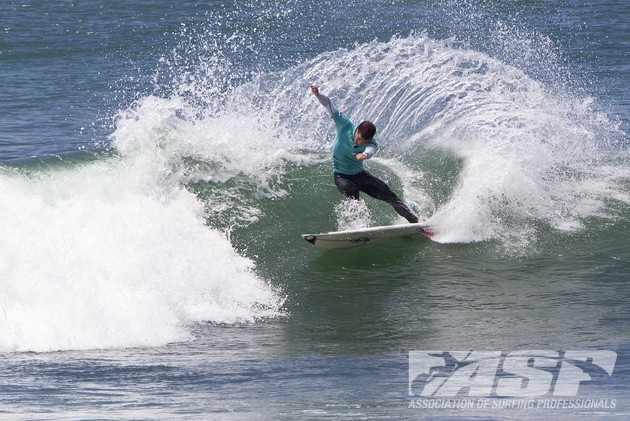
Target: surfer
x=353, y=145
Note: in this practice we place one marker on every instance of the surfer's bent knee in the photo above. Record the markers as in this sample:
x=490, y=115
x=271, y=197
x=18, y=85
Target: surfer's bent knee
x=347, y=187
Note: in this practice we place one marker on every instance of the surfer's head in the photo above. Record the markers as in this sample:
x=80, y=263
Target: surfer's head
x=364, y=133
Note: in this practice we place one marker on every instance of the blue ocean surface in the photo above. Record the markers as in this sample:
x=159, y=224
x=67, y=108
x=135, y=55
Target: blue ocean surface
x=158, y=163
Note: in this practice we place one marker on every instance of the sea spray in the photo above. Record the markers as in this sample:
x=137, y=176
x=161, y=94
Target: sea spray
x=352, y=214
x=478, y=147
x=527, y=159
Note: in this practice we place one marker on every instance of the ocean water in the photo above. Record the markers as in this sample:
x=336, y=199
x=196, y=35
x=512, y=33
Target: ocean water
x=158, y=163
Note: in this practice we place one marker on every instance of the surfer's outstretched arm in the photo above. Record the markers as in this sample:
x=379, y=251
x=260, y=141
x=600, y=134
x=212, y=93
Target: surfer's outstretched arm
x=323, y=99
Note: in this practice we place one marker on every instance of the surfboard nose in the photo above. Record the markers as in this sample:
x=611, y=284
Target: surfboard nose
x=309, y=238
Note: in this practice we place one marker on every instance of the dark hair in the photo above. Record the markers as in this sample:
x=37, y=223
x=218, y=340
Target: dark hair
x=367, y=130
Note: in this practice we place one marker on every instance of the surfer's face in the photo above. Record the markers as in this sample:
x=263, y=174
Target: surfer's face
x=358, y=140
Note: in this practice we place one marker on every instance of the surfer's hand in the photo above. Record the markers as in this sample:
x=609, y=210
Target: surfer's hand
x=314, y=90
x=360, y=156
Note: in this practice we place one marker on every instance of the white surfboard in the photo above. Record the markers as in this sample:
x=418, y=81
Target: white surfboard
x=353, y=238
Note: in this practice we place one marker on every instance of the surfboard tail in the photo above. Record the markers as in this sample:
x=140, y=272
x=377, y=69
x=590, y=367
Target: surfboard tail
x=427, y=230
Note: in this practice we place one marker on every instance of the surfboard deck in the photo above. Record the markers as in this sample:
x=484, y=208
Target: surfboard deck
x=353, y=238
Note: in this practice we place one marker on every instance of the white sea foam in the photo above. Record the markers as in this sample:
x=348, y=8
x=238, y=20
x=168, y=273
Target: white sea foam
x=115, y=253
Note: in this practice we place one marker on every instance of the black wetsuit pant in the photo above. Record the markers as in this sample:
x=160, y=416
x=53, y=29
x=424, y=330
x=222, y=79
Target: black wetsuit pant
x=351, y=185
